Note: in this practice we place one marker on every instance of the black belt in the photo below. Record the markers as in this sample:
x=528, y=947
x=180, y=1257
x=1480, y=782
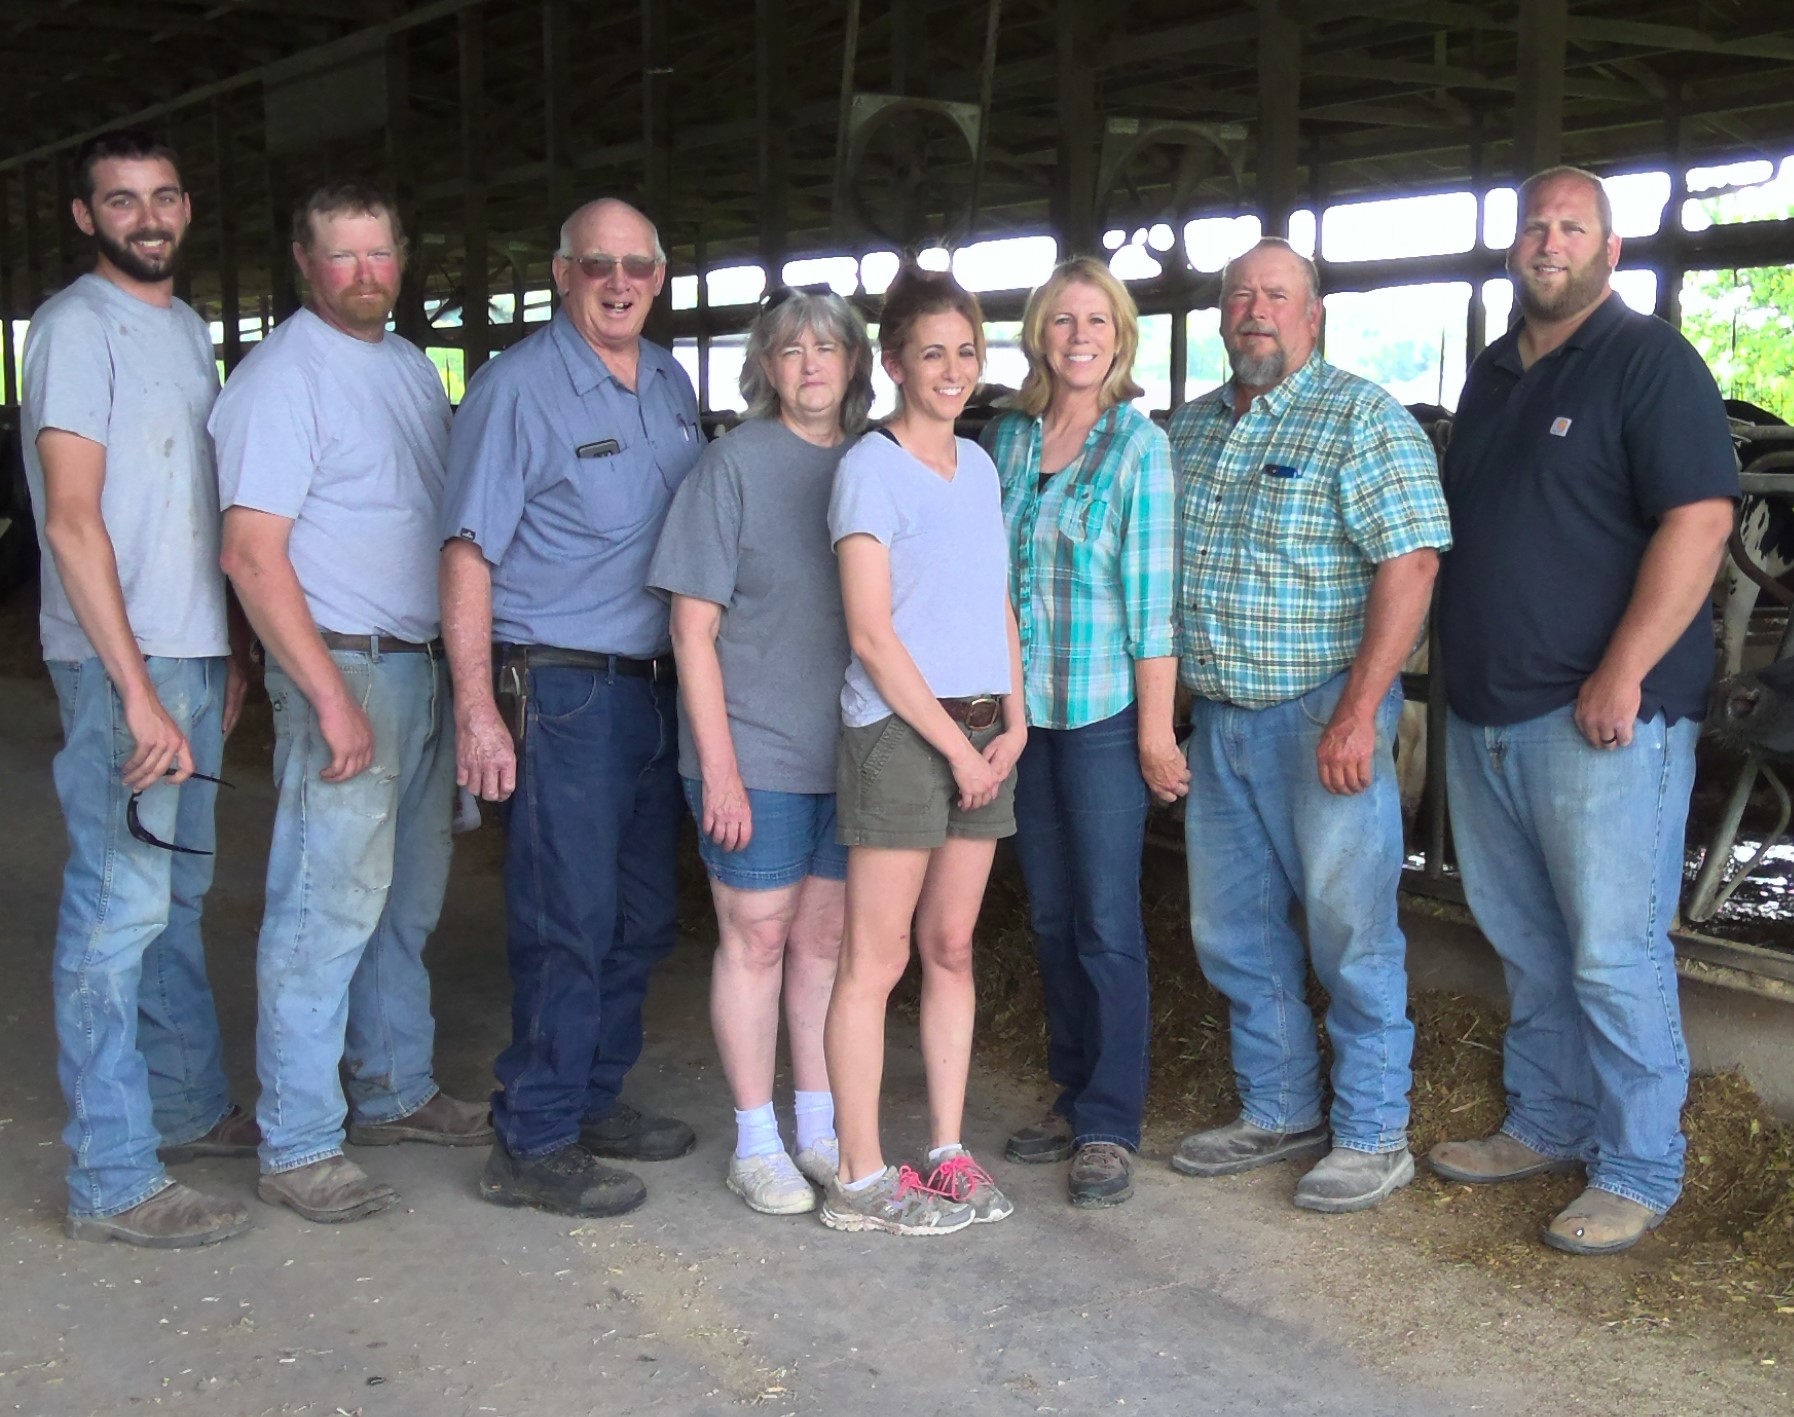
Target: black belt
x=377, y=644
x=660, y=669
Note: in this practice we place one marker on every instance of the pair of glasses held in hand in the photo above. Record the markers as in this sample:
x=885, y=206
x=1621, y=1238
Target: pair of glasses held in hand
x=148, y=837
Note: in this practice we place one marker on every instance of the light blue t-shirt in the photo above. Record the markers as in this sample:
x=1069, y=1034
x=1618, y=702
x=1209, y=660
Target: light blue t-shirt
x=139, y=380
x=949, y=567
x=562, y=476
x=348, y=440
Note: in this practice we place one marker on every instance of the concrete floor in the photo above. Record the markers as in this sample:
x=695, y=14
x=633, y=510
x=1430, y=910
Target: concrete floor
x=1195, y=1298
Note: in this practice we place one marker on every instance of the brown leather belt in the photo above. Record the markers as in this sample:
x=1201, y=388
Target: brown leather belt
x=377, y=644
x=660, y=669
x=974, y=712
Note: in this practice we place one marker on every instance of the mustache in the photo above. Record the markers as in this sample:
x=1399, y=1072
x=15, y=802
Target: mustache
x=1256, y=327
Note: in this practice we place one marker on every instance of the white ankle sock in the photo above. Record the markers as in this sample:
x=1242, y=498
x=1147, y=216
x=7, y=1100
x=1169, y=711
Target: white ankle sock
x=941, y=1153
x=757, y=1131
x=865, y=1183
x=815, y=1118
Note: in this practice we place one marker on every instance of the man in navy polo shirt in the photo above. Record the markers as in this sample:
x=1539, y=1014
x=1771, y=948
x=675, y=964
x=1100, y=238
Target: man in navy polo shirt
x=1591, y=482
x=562, y=464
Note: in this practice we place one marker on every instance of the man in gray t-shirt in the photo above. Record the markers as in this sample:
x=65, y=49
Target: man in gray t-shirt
x=332, y=445
x=118, y=378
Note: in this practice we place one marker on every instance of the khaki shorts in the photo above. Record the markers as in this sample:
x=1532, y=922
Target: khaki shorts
x=892, y=789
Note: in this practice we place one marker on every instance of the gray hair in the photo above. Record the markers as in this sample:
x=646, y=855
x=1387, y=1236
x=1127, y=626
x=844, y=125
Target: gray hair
x=827, y=316
x=1603, y=203
x=1277, y=243
x=571, y=224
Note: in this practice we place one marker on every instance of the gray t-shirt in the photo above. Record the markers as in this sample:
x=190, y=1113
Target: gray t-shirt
x=139, y=380
x=748, y=530
x=949, y=567
x=349, y=440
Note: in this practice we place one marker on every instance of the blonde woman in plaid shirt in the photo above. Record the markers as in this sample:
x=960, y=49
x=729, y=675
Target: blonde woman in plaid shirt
x=1090, y=509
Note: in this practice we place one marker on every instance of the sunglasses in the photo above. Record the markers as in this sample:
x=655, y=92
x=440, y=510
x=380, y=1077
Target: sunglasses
x=602, y=267
x=149, y=838
x=778, y=295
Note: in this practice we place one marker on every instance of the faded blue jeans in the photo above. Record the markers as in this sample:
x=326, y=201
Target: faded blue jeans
x=1261, y=835
x=1572, y=862
x=356, y=876
x=1080, y=823
x=138, y=1050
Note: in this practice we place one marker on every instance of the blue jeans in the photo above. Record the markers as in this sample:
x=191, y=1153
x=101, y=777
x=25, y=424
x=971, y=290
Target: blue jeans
x=356, y=875
x=794, y=837
x=1262, y=834
x=138, y=1052
x=1572, y=862
x=1080, y=823
x=590, y=896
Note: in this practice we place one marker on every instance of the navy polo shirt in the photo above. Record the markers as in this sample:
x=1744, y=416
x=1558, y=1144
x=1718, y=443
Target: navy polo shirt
x=1556, y=477
x=562, y=476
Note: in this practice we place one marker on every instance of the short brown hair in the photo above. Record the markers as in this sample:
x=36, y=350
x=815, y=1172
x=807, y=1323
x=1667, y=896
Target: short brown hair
x=917, y=293
x=1603, y=203
x=349, y=197
x=131, y=144
x=1037, y=389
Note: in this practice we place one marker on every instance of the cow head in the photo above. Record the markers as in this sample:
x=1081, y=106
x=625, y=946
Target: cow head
x=1755, y=711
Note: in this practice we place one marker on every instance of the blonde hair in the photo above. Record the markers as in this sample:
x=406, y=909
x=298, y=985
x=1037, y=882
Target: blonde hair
x=1037, y=389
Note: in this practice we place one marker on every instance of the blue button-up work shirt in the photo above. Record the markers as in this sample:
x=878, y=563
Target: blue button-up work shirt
x=562, y=476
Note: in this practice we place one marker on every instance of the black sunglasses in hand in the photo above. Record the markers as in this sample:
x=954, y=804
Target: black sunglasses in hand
x=149, y=838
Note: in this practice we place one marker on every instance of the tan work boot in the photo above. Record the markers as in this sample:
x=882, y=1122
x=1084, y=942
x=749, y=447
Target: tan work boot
x=174, y=1218
x=328, y=1191
x=1492, y=1159
x=442, y=1121
x=1600, y=1223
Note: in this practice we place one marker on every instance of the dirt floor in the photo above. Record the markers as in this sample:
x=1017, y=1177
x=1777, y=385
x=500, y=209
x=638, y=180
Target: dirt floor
x=1197, y=1297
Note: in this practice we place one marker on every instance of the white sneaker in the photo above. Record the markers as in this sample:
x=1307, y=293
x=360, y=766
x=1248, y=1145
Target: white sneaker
x=821, y=1162
x=770, y=1184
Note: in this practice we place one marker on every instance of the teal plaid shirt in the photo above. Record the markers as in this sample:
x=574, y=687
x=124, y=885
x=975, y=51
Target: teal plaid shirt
x=1285, y=514
x=1091, y=562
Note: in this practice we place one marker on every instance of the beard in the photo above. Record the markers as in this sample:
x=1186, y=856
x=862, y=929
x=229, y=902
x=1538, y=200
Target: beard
x=1582, y=287
x=1259, y=371
x=135, y=263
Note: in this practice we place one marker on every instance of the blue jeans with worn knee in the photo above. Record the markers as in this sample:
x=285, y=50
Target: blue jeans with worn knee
x=138, y=1051
x=590, y=896
x=1261, y=835
x=1572, y=862
x=1080, y=823
x=356, y=876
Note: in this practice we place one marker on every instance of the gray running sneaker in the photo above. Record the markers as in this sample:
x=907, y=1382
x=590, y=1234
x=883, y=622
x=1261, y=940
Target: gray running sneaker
x=820, y=1162
x=770, y=1184
x=899, y=1203
x=964, y=1180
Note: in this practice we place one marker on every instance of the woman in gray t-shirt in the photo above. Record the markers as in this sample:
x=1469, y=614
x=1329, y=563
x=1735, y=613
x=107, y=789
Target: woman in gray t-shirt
x=762, y=647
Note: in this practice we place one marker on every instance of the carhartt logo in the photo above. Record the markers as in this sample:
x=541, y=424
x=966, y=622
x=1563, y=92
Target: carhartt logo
x=1560, y=428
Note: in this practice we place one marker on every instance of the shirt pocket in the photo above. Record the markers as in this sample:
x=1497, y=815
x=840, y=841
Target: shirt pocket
x=1084, y=517
x=1289, y=511
x=618, y=493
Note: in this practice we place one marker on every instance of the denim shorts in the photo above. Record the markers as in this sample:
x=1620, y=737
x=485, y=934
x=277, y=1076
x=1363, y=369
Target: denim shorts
x=893, y=789
x=794, y=837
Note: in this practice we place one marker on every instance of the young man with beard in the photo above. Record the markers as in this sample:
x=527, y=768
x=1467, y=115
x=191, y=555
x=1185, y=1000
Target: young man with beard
x=331, y=445
x=1312, y=524
x=1591, y=481
x=118, y=380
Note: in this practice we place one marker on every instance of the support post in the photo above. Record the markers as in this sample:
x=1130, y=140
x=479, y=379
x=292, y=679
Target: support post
x=34, y=243
x=9, y=372
x=773, y=149
x=476, y=337
x=408, y=314
x=1279, y=109
x=1674, y=264
x=1539, y=91
x=1074, y=190
x=557, y=85
x=657, y=146
x=225, y=195
x=283, y=287
x=65, y=221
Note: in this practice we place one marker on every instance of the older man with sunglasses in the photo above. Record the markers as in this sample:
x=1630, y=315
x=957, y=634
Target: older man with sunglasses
x=563, y=462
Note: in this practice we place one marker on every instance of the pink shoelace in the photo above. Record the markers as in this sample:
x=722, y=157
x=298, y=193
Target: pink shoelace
x=908, y=1180
x=958, y=1177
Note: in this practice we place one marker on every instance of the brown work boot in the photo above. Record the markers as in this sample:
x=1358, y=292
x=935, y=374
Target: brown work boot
x=235, y=1134
x=1049, y=1139
x=1492, y=1159
x=442, y=1121
x=1600, y=1223
x=174, y=1218
x=328, y=1191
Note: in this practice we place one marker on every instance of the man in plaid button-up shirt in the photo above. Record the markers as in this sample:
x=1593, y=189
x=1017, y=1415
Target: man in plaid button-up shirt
x=1312, y=522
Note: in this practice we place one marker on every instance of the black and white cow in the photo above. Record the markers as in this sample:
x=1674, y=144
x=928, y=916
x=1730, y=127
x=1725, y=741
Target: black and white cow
x=1766, y=528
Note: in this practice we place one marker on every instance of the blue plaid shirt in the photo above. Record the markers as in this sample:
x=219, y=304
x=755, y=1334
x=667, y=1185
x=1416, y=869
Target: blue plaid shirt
x=1091, y=562
x=1285, y=513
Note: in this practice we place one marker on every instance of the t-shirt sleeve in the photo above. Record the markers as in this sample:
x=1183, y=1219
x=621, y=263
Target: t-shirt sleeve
x=699, y=551
x=1677, y=439
x=861, y=502
x=67, y=374
x=483, y=499
x=1389, y=492
x=264, y=428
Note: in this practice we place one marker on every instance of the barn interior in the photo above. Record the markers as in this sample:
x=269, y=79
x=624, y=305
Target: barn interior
x=817, y=141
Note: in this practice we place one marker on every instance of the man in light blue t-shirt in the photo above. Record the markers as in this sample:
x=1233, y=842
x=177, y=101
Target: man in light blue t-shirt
x=332, y=441
x=118, y=378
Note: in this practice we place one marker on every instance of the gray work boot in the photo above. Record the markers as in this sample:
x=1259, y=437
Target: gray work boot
x=1492, y=1159
x=328, y=1191
x=174, y=1218
x=1600, y=1223
x=442, y=1121
x=1345, y=1180
x=233, y=1134
x=1241, y=1146
x=1101, y=1175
